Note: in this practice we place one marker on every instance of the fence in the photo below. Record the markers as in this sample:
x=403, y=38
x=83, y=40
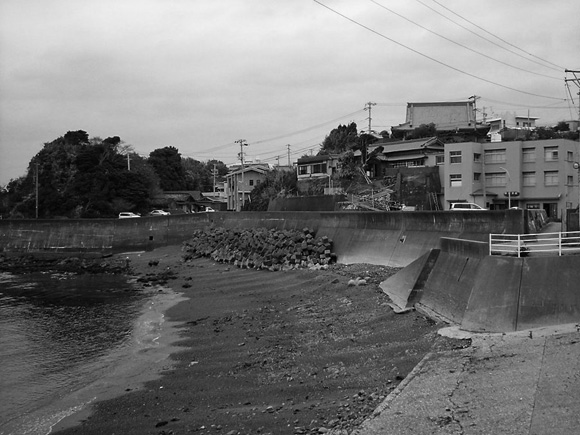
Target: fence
x=528, y=244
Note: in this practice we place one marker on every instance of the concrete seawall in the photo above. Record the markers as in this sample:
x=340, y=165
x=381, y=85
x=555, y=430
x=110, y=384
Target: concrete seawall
x=465, y=286
x=385, y=238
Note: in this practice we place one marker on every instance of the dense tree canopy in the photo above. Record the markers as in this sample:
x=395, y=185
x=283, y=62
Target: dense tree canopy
x=167, y=164
x=277, y=183
x=341, y=139
x=80, y=177
x=200, y=175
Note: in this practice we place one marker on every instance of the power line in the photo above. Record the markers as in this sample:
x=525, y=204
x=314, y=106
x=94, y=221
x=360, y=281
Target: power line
x=461, y=45
x=484, y=38
x=433, y=59
x=306, y=129
x=495, y=36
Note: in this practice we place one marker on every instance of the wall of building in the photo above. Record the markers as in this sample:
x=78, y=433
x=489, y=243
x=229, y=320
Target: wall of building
x=554, y=198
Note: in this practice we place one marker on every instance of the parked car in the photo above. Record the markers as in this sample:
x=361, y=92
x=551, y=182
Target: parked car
x=466, y=206
x=159, y=213
x=209, y=210
x=127, y=215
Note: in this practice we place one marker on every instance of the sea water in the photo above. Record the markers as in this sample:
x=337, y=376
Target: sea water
x=67, y=339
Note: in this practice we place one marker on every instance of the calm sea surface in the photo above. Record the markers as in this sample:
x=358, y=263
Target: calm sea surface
x=59, y=334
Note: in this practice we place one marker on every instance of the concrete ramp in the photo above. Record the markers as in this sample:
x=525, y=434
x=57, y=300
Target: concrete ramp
x=448, y=288
x=404, y=286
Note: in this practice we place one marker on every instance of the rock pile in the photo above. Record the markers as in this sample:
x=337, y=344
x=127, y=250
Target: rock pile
x=261, y=248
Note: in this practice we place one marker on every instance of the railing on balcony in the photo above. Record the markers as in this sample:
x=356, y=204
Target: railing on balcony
x=521, y=245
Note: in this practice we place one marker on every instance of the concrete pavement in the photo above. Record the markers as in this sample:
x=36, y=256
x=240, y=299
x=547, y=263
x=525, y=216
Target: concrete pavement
x=525, y=382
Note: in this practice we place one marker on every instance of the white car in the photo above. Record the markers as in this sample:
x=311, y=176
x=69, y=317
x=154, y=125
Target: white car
x=159, y=213
x=127, y=215
x=466, y=206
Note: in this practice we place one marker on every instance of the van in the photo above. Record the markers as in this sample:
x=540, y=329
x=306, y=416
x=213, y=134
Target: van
x=463, y=206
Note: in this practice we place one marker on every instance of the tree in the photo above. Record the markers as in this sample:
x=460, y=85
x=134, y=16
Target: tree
x=167, y=164
x=562, y=126
x=424, y=130
x=341, y=139
x=277, y=183
x=199, y=175
x=82, y=177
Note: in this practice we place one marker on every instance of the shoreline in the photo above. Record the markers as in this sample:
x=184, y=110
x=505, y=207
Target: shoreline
x=149, y=355
x=278, y=352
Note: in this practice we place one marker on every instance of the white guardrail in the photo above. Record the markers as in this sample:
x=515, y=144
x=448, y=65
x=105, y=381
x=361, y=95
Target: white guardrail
x=521, y=245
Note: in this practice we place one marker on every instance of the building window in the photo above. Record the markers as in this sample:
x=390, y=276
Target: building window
x=455, y=180
x=454, y=156
x=495, y=179
x=251, y=182
x=477, y=157
x=303, y=170
x=570, y=156
x=476, y=176
x=551, y=154
x=551, y=178
x=533, y=206
x=529, y=155
x=529, y=178
x=319, y=168
x=495, y=156
x=570, y=180
x=439, y=160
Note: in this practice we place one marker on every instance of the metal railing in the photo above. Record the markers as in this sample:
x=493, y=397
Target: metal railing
x=521, y=245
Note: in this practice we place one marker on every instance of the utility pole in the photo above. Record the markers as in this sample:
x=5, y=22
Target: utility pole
x=214, y=173
x=277, y=160
x=36, y=190
x=288, y=146
x=128, y=163
x=243, y=144
x=576, y=81
x=368, y=106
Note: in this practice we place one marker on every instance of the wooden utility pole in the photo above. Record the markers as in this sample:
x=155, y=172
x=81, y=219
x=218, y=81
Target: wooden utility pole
x=288, y=146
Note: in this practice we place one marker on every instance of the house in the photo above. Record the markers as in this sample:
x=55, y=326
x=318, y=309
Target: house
x=241, y=181
x=453, y=120
x=402, y=154
x=510, y=126
x=412, y=169
x=317, y=166
x=186, y=201
x=526, y=174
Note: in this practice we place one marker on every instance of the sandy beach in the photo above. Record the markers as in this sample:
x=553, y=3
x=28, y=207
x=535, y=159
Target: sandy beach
x=290, y=352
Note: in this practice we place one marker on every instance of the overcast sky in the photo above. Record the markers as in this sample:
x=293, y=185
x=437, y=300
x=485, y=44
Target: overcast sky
x=200, y=74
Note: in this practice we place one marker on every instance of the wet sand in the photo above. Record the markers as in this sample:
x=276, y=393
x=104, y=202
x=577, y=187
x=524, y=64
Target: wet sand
x=290, y=352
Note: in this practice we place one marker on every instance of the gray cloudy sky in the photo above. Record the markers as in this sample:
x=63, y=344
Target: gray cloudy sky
x=201, y=74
